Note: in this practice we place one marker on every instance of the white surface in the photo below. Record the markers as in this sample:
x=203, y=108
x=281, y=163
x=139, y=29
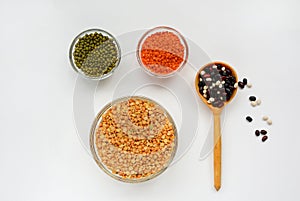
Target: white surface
x=41, y=157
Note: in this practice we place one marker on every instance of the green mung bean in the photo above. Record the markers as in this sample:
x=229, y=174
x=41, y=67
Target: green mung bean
x=95, y=55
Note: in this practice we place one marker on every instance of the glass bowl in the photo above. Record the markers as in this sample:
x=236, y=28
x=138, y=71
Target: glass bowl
x=154, y=46
x=93, y=54
x=133, y=139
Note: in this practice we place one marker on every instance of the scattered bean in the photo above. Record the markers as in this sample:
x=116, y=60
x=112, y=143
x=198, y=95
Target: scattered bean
x=257, y=133
x=252, y=98
x=265, y=118
x=269, y=121
x=241, y=85
x=263, y=132
x=264, y=138
x=248, y=118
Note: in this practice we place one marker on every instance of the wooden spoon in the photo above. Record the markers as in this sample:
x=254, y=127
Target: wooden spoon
x=217, y=127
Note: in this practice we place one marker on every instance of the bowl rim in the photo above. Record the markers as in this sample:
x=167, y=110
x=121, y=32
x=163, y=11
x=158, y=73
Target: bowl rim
x=182, y=40
x=72, y=47
x=94, y=128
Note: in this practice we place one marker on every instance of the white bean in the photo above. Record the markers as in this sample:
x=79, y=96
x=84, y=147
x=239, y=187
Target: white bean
x=258, y=101
x=269, y=121
x=265, y=118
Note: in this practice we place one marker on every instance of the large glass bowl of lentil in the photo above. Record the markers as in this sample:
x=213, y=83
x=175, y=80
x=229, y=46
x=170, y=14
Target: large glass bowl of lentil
x=162, y=51
x=133, y=139
x=95, y=54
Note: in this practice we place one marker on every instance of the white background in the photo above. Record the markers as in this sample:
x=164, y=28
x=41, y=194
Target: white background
x=41, y=157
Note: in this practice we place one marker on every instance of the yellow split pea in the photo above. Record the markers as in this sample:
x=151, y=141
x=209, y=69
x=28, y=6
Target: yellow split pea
x=135, y=139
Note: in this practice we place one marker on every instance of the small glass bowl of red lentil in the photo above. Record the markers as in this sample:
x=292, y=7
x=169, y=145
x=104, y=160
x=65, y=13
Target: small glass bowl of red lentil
x=133, y=139
x=162, y=51
x=95, y=54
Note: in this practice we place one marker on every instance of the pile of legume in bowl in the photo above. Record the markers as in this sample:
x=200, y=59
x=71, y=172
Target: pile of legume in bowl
x=162, y=51
x=133, y=139
x=95, y=54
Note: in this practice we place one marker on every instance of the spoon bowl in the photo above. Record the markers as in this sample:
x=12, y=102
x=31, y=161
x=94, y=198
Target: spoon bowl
x=212, y=108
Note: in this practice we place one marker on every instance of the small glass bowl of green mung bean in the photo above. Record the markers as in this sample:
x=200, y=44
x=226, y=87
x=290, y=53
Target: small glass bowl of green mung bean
x=95, y=54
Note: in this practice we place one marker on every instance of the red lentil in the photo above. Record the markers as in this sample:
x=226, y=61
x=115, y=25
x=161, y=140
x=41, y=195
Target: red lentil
x=162, y=52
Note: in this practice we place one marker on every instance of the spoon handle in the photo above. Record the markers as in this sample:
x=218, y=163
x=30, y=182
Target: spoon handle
x=217, y=151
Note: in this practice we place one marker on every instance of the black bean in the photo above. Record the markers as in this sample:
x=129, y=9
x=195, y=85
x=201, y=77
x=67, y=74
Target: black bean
x=215, y=103
x=257, y=133
x=207, y=95
x=252, y=98
x=249, y=118
x=214, y=92
x=218, y=104
x=221, y=104
x=228, y=91
x=264, y=138
x=231, y=78
x=263, y=132
x=223, y=97
x=228, y=96
x=245, y=81
x=223, y=78
x=224, y=73
x=241, y=85
x=201, y=84
x=217, y=76
x=228, y=71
